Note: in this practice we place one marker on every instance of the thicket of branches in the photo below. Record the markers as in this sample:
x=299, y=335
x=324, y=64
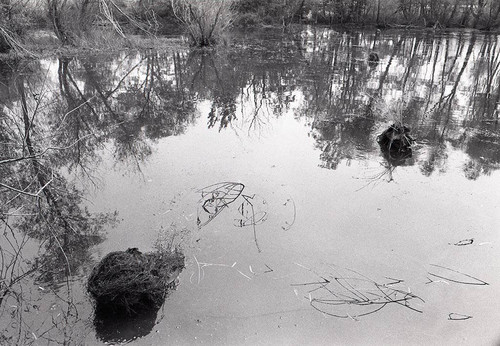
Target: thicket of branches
x=72, y=22
x=482, y=14
x=90, y=22
x=205, y=20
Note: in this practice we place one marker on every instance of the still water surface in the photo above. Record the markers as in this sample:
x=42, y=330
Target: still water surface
x=348, y=245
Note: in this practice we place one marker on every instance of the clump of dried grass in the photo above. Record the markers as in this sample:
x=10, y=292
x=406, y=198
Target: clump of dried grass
x=396, y=138
x=130, y=282
x=391, y=111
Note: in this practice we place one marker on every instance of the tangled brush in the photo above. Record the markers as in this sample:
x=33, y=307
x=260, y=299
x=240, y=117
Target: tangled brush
x=130, y=282
x=396, y=138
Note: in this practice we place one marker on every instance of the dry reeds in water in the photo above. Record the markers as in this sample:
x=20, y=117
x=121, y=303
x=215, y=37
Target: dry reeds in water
x=215, y=198
x=130, y=282
x=356, y=295
x=391, y=111
x=455, y=276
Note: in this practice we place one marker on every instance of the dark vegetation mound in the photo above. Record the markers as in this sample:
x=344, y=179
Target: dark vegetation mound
x=131, y=282
x=373, y=59
x=396, y=142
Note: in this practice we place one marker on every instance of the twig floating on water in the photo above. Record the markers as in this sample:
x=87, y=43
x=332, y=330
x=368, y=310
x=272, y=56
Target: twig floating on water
x=394, y=281
x=260, y=272
x=239, y=271
x=433, y=281
x=289, y=225
x=474, y=281
x=325, y=281
x=250, y=217
x=302, y=266
x=202, y=265
x=269, y=269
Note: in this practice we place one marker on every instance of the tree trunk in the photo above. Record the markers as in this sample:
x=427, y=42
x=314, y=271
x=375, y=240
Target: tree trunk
x=378, y=11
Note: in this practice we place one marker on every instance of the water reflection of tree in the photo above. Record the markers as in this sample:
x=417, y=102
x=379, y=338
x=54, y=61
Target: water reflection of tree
x=46, y=137
x=433, y=73
x=130, y=111
x=125, y=104
x=47, y=232
x=485, y=103
x=209, y=78
x=340, y=101
x=261, y=85
x=484, y=152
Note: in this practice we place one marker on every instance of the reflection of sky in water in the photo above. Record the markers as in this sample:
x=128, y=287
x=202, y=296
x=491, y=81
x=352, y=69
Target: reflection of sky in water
x=168, y=125
x=344, y=220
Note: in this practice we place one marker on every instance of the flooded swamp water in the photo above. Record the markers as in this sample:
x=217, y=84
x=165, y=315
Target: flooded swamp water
x=260, y=162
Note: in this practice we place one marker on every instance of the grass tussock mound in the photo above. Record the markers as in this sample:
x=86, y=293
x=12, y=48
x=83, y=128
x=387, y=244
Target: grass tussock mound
x=396, y=138
x=131, y=282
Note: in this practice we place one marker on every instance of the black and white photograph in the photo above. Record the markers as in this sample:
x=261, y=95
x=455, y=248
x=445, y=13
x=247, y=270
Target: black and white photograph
x=250, y=172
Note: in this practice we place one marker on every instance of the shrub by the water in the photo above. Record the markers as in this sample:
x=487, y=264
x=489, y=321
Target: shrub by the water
x=205, y=20
x=131, y=282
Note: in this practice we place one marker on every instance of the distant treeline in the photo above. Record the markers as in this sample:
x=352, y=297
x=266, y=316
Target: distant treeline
x=101, y=22
x=481, y=14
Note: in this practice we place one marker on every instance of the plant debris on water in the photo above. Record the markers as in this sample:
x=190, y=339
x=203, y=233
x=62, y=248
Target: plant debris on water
x=464, y=242
x=357, y=295
x=455, y=276
x=396, y=143
x=217, y=197
x=287, y=225
x=130, y=282
x=249, y=216
x=458, y=317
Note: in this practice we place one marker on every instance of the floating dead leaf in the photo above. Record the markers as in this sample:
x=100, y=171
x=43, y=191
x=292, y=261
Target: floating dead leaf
x=464, y=242
x=458, y=317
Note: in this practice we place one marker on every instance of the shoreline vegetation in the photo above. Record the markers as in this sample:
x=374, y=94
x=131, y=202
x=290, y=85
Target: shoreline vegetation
x=35, y=28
